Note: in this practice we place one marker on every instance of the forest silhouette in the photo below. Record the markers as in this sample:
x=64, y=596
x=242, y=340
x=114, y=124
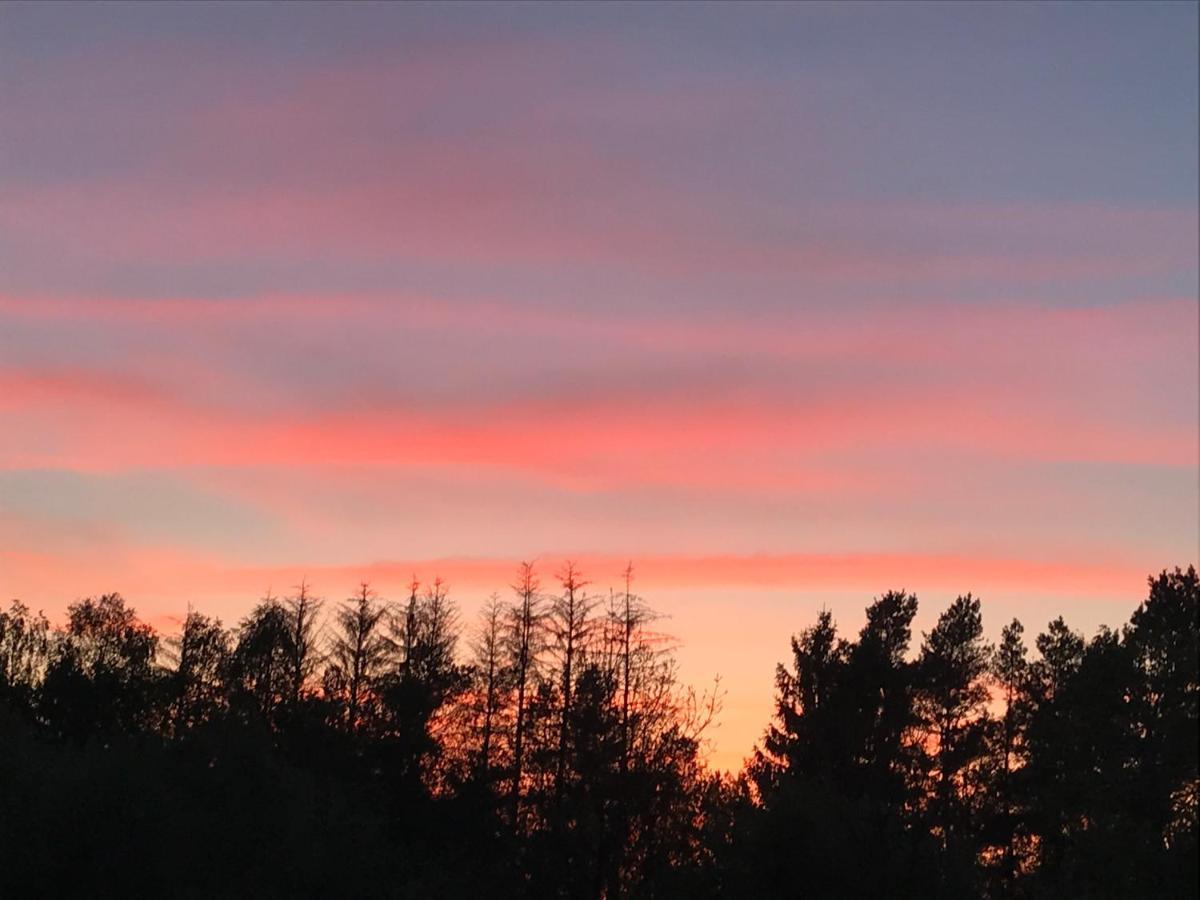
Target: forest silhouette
x=365, y=748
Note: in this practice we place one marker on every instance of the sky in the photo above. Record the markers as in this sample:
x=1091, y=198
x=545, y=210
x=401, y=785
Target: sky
x=788, y=304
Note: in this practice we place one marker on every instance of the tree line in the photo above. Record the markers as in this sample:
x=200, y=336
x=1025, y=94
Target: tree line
x=367, y=748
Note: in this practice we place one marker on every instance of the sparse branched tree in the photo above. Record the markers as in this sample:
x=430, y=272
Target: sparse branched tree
x=403, y=628
x=425, y=678
x=570, y=626
x=358, y=649
x=489, y=692
x=523, y=641
x=634, y=651
x=304, y=655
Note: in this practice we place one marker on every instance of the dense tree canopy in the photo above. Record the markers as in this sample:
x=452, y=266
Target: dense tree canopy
x=367, y=748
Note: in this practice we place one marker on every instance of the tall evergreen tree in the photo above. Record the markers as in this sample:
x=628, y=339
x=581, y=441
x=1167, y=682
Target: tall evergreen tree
x=951, y=708
x=1164, y=641
x=1002, y=821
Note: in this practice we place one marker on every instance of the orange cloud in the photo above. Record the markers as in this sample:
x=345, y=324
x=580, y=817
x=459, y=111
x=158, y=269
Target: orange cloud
x=160, y=576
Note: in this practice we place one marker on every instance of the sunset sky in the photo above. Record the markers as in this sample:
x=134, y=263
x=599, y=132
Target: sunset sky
x=789, y=305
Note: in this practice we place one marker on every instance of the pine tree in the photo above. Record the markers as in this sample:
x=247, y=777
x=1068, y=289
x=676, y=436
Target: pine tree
x=950, y=703
x=1010, y=673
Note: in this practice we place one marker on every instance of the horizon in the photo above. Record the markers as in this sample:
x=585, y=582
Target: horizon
x=672, y=593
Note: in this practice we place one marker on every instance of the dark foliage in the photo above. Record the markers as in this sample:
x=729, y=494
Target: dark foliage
x=364, y=755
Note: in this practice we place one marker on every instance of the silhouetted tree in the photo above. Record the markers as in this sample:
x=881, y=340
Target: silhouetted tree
x=303, y=650
x=808, y=735
x=951, y=708
x=263, y=663
x=202, y=661
x=24, y=654
x=423, y=681
x=524, y=641
x=627, y=618
x=880, y=680
x=1052, y=753
x=1003, y=822
x=1164, y=642
x=101, y=677
x=836, y=776
x=570, y=628
x=403, y=628
x=489, y=688
x=219, y=768
x=358, y=650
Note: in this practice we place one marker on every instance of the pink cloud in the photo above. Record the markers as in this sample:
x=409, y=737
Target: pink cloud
x=976, y=382
x=60, y=421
